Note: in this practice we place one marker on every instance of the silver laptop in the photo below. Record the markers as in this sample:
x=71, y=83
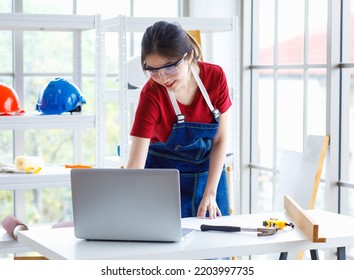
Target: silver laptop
x=127, y=204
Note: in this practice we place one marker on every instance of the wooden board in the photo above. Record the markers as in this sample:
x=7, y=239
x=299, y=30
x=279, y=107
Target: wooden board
x=302, y=220
x=323, y=146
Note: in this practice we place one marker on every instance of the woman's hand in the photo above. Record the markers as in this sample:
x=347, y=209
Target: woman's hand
x=208, y=205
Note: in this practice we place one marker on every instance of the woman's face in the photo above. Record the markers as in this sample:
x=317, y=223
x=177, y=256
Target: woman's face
x=172, y=74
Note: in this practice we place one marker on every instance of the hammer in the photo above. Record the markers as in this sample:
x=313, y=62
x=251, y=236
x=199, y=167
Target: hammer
x=260, y=231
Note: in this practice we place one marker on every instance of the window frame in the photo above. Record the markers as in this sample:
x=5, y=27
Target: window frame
x=334, y=187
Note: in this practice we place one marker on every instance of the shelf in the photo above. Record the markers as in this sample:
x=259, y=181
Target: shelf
x=49, y=177
x=18, y=21
x=64, y=121
x=139, y=24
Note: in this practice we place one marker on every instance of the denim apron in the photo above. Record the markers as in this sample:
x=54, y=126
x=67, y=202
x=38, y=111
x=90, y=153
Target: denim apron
x=188, y=150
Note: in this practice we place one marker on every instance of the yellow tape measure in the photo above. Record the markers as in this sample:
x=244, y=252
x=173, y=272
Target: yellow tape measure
x=279, y=224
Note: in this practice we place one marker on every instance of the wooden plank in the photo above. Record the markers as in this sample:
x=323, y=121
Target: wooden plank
x=302, y=220
x=230, y=188
x=323, y=151
x=26, y=258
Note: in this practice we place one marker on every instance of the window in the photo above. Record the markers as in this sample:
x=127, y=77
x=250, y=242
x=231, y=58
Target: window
x=5, y=6
x=300, y=83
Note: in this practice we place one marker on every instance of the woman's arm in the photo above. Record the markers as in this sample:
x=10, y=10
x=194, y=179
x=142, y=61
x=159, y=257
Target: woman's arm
x=217, y=161
x=138, y=152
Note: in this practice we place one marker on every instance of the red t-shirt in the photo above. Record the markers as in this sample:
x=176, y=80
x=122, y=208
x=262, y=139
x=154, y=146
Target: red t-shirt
x=155, y=115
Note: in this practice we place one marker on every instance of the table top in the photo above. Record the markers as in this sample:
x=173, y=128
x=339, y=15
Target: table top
x=10, y=245
x=60, y=243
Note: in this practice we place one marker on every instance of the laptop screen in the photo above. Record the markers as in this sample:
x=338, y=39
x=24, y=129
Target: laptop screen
x=126, y=204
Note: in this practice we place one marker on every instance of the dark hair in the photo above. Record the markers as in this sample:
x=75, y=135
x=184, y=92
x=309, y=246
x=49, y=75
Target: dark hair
x=169, y=40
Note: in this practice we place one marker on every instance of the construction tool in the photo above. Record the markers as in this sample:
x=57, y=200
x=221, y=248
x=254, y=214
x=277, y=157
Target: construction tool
x=260, y=231
x=279, y=224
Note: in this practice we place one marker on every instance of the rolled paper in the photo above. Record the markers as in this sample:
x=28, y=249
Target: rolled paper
x=12, y=225
x=29, y=164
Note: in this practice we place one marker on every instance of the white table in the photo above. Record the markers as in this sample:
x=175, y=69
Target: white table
x=61, y=243
x=9, y=245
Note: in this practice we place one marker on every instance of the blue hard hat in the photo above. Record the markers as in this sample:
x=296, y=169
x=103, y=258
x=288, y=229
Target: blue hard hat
x=59, y=96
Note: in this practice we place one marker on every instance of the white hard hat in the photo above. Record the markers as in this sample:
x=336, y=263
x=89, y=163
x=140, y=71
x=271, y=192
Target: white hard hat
x=136, y=75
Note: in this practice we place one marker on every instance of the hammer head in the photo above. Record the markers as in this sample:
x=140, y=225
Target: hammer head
x=266, y=231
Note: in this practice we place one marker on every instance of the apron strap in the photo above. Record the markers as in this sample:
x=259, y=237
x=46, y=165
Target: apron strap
x=201, y=86
x=180, y=116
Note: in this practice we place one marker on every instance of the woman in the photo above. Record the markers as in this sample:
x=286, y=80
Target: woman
x=178, y=124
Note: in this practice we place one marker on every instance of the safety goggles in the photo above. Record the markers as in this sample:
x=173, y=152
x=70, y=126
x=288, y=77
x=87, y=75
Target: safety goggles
x=167, y=70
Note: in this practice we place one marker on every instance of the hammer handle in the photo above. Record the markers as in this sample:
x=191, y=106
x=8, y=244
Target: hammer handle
x=204, y=227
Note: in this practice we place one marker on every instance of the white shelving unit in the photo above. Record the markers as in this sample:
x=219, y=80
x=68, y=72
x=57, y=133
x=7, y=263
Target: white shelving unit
x=50, y=176
x=47, y=122
x=27, y=22
x=40, y=22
